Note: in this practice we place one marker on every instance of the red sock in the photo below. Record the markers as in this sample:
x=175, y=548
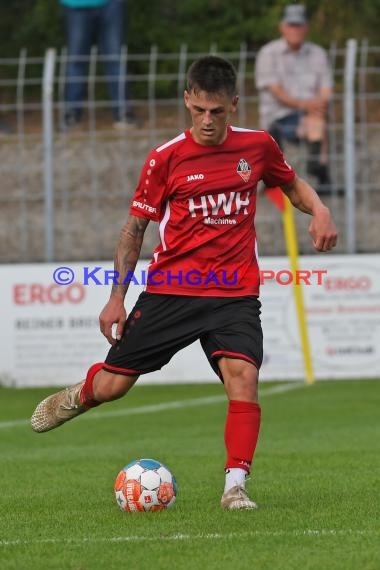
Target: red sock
x=87, y=394
x=241, y=433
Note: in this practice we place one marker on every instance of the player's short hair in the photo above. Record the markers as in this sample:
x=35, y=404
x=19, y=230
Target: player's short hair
x=212, y=74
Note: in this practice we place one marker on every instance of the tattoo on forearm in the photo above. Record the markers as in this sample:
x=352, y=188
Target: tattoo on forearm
x=128, y=251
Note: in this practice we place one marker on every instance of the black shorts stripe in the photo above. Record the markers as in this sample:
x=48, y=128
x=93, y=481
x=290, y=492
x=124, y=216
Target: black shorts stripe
x=237, y=355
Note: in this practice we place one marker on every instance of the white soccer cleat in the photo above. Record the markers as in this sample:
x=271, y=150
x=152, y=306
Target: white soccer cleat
x=237, y=498
x=58, y=409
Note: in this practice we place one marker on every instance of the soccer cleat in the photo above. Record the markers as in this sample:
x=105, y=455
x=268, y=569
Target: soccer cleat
x=237, y=498
x=57, y=409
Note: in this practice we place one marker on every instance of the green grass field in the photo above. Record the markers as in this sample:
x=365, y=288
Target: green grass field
x=316, y=480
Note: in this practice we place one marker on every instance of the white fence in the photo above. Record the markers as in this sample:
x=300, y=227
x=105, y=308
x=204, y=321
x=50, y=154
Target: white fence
x=64, y=195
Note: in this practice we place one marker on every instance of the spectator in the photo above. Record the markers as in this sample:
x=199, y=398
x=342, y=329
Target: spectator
x=295, y=85
x=90, y=22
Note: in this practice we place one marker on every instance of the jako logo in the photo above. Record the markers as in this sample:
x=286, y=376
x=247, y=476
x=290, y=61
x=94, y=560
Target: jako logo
x=193, y=177
x=227, y=204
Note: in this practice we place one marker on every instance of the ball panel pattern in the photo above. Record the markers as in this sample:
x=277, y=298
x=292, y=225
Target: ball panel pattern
x=145, y=485
x=149, y=464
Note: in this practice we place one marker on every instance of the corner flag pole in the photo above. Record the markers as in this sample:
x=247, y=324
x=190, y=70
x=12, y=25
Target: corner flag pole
x=292, y=251
x=282, y=203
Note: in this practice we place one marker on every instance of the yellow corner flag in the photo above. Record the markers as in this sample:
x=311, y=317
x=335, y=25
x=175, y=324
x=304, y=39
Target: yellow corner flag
x=279, y=199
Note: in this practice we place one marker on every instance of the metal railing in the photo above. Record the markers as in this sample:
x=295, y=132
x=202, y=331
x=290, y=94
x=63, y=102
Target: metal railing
x=65, y=193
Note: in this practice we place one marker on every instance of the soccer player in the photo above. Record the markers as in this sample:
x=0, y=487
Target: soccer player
x=203, y=280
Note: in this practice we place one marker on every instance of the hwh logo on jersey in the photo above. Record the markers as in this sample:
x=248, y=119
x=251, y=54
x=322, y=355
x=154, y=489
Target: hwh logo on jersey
x=210, y=205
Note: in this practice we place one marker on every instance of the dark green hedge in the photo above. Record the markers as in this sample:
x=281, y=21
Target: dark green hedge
x=199, y=23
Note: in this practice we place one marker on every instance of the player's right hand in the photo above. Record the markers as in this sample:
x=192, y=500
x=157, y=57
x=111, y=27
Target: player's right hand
x=113, y=313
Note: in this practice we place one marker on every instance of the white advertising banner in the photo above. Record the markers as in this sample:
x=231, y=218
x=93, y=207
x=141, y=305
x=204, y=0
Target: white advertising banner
x=342, y=305
x=50, y=333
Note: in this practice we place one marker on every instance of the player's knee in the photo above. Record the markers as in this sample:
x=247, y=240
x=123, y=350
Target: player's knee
x=108, y=386
x=243, y=387
x=240, y=380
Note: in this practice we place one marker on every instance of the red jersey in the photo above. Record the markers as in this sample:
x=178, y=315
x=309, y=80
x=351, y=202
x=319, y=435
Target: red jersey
x=204, y=198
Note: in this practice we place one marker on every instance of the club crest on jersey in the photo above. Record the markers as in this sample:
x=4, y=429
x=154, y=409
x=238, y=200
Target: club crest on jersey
x=244, y=170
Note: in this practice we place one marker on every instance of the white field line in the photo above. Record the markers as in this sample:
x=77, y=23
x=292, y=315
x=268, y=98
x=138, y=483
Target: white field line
x=188, y=537
x=165, y=406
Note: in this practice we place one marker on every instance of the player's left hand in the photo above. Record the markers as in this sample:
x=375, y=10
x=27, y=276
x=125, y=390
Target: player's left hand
x=322, y=230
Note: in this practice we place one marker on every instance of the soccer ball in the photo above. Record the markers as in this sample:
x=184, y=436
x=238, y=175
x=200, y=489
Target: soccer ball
x=145, y=485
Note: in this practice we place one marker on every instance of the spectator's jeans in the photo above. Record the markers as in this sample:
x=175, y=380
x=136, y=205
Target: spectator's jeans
x=84, y=28
x=286, y=129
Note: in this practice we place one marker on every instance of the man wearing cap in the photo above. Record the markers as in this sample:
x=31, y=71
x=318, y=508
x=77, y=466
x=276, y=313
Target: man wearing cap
x=294, y=82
